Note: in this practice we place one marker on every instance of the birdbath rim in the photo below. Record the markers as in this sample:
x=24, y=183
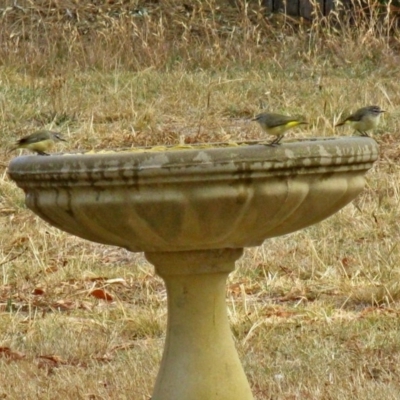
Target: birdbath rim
x=291, y=157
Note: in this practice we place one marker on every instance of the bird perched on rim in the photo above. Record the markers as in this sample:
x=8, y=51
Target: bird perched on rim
x=39, y=142
x=277, y=125
x=364, y=119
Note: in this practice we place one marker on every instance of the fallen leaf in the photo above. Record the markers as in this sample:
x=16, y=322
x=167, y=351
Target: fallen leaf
x=102, y=294
x=49, y=270
x=6, y=352
x=53, y=359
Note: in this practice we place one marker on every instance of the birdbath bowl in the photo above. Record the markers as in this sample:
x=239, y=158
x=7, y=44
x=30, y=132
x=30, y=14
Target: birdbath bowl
x=192, y=211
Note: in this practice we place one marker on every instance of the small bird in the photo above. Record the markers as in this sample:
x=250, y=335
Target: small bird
x=364, y=119
x=39, y=142
x=277, y=125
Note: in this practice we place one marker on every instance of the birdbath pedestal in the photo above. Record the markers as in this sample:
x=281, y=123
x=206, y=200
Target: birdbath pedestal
x=192, y=212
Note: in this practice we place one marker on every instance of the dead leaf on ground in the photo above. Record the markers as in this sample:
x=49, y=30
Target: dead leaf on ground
x=51, y=269
x=102, y=294
x=53, y=358
x=38, y=291
x=279, y=312
x=6, y=352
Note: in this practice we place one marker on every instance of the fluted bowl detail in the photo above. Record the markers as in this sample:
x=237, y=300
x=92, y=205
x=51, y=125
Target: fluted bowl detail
x=222, y=197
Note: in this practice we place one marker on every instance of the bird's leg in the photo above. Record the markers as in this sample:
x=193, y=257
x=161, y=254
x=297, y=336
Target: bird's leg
x=276, y=141
x=363, y=133
x=42, y=153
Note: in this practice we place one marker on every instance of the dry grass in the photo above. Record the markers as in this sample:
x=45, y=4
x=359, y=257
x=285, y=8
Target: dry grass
x=314, y=314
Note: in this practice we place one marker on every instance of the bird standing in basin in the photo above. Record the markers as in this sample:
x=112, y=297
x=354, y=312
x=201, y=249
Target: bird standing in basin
x=364, y=119
x=277, y=125
x=39, y=142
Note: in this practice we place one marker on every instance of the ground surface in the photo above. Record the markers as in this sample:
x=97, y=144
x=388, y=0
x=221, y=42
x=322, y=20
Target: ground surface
x=314, y=314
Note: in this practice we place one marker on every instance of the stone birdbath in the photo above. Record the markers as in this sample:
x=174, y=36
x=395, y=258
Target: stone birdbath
x=192, y=211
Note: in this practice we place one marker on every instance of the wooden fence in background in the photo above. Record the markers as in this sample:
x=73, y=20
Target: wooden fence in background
x=303, y=8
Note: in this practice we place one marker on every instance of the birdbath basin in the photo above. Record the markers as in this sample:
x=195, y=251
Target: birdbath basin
x=192, y=211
